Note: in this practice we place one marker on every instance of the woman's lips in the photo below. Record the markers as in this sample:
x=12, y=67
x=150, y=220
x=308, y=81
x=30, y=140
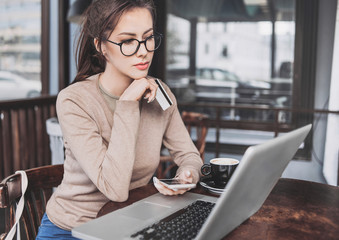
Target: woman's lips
x=142, y=66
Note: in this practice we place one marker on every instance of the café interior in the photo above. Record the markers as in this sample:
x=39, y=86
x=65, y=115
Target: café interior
x=243, y=72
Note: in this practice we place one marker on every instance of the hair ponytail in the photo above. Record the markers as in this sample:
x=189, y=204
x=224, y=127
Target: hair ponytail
x=89, y=61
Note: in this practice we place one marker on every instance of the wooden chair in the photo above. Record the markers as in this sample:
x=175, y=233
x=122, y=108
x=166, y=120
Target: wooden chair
x=41, y=181
x=191, y=120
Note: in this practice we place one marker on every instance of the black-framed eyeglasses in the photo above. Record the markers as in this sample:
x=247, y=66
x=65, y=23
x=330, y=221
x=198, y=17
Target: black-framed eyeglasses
x=131, y=46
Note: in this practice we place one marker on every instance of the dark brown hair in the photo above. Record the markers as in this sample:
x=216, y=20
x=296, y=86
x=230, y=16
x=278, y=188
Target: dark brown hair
x=100, y=19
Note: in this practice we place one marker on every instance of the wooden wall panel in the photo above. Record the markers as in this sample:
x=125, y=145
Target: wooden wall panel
x=6, y=162
x=24, y=142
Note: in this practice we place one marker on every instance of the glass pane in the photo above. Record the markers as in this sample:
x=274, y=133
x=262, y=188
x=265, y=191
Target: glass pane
x=283, y=80
x=20, y=33
x=241, y=58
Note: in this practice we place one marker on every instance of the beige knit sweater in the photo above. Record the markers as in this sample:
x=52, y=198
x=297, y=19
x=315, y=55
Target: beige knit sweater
x=108, y=154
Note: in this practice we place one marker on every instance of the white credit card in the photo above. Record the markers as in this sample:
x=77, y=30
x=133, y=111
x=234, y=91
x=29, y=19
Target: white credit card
x=162, y=97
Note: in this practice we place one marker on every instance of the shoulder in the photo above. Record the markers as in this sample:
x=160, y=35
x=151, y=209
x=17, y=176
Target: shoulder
x=88, y=86
x=80, y=90
x=83, y=94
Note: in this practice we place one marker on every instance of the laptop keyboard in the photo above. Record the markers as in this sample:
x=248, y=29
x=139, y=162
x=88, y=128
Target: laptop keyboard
x=183, y=224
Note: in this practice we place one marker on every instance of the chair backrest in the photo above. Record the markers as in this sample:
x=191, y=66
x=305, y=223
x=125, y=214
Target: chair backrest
x=41, y=181
x=200, y=122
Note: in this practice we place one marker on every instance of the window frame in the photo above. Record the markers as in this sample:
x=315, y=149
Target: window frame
x=304, y=75
x=45, y=45
x=63, y=46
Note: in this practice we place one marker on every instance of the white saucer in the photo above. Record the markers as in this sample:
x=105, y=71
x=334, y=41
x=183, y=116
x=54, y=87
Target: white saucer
x=210, y=186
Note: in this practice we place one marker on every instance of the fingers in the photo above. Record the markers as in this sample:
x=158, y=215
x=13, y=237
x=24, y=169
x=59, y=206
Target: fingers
x=147, y=95
x=161, y=188
x=186, y=176
x=152, y=90
x=144, y=87
x=166, y=191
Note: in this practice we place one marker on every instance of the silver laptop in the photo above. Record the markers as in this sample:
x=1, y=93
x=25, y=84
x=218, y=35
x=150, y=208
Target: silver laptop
x=258, y=172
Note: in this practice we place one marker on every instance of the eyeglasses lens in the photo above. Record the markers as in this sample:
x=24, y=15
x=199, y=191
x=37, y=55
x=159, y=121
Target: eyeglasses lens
x=130, y=47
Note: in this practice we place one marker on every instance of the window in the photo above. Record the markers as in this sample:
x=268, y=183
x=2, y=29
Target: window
x=250, y=51
x=20, y=48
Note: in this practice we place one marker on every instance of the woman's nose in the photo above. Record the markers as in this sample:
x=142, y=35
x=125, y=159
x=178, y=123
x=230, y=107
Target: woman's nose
x=142, y=50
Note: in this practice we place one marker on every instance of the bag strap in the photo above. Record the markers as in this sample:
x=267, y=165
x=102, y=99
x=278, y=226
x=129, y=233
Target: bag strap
x=20, y=207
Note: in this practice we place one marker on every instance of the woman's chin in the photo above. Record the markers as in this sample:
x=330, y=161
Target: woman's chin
x=139, y=75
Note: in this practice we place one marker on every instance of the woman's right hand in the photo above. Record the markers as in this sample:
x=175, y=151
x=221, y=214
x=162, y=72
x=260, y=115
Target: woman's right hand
x=144, y=87
x=186, y=176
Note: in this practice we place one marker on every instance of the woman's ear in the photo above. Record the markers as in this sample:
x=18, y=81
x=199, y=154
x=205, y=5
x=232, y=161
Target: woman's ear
x=96, y=44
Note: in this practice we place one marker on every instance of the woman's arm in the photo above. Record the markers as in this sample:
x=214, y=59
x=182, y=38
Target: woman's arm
x=108, y=165
x=180, y=145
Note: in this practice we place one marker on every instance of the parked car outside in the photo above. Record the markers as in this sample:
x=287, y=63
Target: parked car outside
x=214, y=85
x=221, y=86
x=13, y=86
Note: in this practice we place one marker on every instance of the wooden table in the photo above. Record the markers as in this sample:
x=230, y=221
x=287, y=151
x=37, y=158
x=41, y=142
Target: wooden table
x=294, y=209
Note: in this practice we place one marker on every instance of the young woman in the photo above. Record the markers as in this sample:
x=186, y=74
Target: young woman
x=112, y=128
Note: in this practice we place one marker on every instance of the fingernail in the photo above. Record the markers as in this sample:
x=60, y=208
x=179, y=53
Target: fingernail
x=155, y=180
x=188, y=173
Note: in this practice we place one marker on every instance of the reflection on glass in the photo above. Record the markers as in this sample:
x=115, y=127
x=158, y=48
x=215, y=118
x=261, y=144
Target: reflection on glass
x=235, y=61
x=20, y=33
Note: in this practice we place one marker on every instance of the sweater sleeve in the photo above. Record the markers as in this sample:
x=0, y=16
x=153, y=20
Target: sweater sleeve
x=180, y=145
x=108, y=165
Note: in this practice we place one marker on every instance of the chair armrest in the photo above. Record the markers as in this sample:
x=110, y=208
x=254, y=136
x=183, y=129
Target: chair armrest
x=10, y=189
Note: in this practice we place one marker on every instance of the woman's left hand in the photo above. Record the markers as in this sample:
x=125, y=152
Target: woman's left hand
x=144, y=87
x=185, y=175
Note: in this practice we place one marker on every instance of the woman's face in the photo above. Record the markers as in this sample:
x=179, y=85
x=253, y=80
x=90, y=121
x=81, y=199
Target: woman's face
x=137, y=24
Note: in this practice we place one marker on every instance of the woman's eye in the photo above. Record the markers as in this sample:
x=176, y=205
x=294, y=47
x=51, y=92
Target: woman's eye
x=128, y=41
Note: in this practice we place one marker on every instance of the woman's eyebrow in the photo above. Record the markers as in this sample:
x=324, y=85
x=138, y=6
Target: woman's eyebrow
x=148, y=31
x=127, y=33
x=133, y=34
